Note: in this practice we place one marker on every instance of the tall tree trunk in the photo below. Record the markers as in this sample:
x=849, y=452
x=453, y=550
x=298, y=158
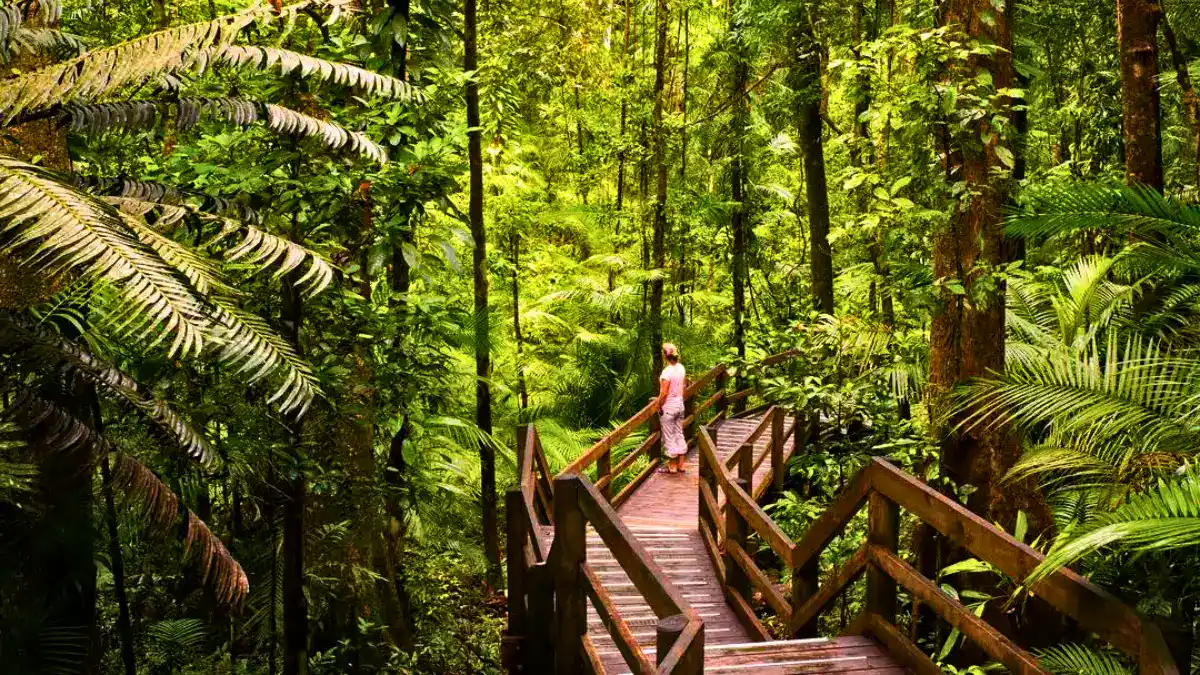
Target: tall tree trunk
x=806, y=83
x=662, y=16
x=684, y=231
x=124, y=623
x=739, y=216
x=522, y=389
x=622, y=154
x=1191, y=102
x=967, y=332
x=294, y=493
x=1137, y=36
x=483, y=361
x=862, y=156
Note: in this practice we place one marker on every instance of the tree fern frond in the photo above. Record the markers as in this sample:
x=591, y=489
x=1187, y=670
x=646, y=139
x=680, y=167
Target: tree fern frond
x=47, y=40
x=10, y=23
x=310, y=66
x=146, y=191
x=249, y=344
x=126, y=116
x=177, y=636
x=204, y=277
x=1075, y=659
x=52, y=227
x=94, y=75
x=261, y=248
x=161, y=506
x=42, y=345
x=1165, y=517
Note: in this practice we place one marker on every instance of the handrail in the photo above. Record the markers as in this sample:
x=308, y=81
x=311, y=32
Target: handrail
x=884, y=489
x=680, y=630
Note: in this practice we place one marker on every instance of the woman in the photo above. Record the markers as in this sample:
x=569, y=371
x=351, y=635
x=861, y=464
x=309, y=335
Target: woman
x=671, y=385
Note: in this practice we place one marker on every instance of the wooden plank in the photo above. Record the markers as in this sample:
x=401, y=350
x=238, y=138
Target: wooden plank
x=620, y=631
x=829, y=591
x=1094, y=608
x=831, y=523
x=638, y=564
x=540, y=655
x=759, y=521
x=606, y=444
x=777, y=440
x=899, y=647
x=570, y=552
x=990, y=640
x=760, y=581
x=604, y=473
x=746, y=615
x=710, y=513
x=628, y=490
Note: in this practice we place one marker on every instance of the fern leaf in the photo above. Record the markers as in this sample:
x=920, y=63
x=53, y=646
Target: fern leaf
x=52, y=227
x=1128, y=209
x=131, y=116
x=10, y=25
x=161, y=506
x=45, y=346
x=204, y=277
x=97, y=74
x=248, y=343
x=1164, y=517
x=312, y=67
x=1074, y=659
x=47, y=40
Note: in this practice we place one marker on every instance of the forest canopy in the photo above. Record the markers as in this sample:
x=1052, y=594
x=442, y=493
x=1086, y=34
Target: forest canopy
x=280, y=283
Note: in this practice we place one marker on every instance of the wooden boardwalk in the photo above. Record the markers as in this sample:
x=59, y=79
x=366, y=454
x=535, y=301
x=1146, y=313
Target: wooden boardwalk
x=664, y=513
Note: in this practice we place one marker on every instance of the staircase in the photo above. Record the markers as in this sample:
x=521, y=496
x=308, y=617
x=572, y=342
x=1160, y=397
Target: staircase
x=657, y=578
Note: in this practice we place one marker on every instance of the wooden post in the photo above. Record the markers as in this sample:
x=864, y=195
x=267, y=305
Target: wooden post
x=735, y=531
x=689, y=408
x=514, y=507
x=655, y=451
x=667, y=634
x=538, y=657
x=804, y=586
x=522, y=435
x=723, y=387
x=778, y=470
x=746, y=465
x=603, y=469
x=799, y=435
x=570, y=543
x=883, y=530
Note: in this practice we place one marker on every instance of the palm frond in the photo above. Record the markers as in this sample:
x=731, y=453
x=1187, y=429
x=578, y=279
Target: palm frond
x=161, y=506
x=127, y=116
x=1164, y=517
x=47, y=40
x=1076, y=659
x=95, y=75
x=51, y=227
x=1094, y=391
x=204, y=277
x=1136, y=210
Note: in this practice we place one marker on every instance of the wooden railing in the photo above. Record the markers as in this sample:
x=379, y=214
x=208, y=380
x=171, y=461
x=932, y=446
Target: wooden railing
x=680, y=632
x=548, y=588
x=885, y=490
x=599, y=457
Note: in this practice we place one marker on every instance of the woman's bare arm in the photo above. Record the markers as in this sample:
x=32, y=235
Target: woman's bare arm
x=664, y=388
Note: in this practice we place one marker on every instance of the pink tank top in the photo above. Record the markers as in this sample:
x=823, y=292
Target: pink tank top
x=676, y=378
